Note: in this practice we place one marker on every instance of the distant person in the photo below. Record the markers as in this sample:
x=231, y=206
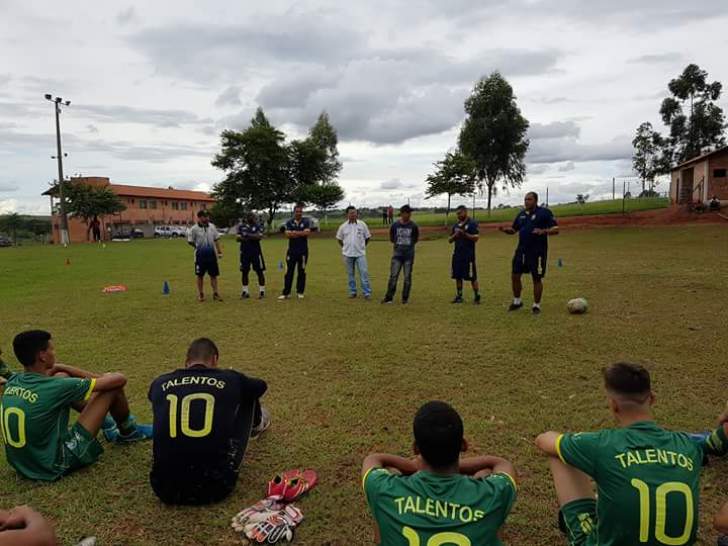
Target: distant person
x=385, y=215
x=297, y=232
x=404, y=235
x=36, y=405
x=23, y=526
x=390, y=214
x=534, y=225
x=250, y=233
x=438, y=498
x=94, y=227
x=647, y=478
x=204, y=238
x=203, y=419
x=5, y=371
x=353, y=237
x=464, y=235
x=714, y=205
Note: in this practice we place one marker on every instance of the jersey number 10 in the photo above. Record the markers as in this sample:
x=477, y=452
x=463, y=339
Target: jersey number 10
x=187, y=430
x=440, y=539
x=661, y=518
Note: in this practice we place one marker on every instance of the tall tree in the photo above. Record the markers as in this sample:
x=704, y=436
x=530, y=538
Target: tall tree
x=494, y=134
x=696, y=122
x=256, y=163
x=454, y=175
x=226, y=212
x=650, y=158
x=10, y=223
x=86, y=201
x=325, y=137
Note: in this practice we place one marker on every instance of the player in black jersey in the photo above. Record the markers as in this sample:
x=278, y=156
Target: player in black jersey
x=204, y=417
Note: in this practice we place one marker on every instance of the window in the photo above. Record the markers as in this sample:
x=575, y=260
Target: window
x=719, y=173
x=152, y=204
x=175, y=205
x=183, y=205
x=142, y=203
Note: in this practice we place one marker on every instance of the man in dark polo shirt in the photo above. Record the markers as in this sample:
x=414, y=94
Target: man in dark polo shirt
x=404, y=235
x=298, y=229
x=464, y=236
x=534, y=224
x=249, y=236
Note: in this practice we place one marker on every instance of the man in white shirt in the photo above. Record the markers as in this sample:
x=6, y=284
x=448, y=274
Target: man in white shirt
x=203, y=237
x=353, y=237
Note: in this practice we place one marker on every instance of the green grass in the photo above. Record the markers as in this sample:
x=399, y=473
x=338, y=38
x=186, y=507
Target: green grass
x=346, y=376
x=427, y=218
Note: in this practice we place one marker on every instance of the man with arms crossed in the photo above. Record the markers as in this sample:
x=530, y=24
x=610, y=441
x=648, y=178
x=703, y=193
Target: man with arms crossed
x=298, y=229
x=438, y=498
x=647, y=477
x=203, y=419
x=249, y=236
x=204, y=238
x=353, y=237
x=464, y=234
x=404, y=235
x=35, y=408
x=533, y=225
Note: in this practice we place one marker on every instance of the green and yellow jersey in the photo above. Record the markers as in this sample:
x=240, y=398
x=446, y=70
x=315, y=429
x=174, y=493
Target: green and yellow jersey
x=427, y=509
x=647, y=480
x=34, y=412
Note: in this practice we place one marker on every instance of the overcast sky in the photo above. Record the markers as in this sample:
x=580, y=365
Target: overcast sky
x=153, y=84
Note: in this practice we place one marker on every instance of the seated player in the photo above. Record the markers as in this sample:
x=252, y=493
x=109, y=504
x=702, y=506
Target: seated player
x=438, y=498
x=23, y=526
x=203, y=419
x=36, y=405
x=647, y=477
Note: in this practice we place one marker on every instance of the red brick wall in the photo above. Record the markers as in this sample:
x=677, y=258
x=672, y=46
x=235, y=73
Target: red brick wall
x=718, y=186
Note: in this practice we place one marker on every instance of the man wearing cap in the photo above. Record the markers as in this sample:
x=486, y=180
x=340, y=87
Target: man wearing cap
x=404, y=235
x=464, y=235
x=534, y=225
x=204, y=238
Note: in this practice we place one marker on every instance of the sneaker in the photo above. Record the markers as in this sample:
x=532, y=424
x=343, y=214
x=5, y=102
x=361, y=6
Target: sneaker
x=200, y=297
x=138, y=433
x=110, y=428
x=244, y=296
x=457, y=299
x=352, y=296
x=88, y=541
x=299, y=296
x=405, y=302
x=261, y=296
x=264, y=425
x=387, y=300
x=216, y=297
x=284, y=297
x=515, y=306
x=476, y=300
x=536, y=310
x=367, y=297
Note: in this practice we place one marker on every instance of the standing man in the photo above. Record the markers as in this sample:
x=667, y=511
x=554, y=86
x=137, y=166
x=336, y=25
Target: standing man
x=534, y=225
x=249, y=236
x=94, y=227
x=353, y=237
x=404, y=234
x=298, y=229
x=203, y=419
x=390, y=214
x=385, y=215
x=204, y=238
x=465, y=234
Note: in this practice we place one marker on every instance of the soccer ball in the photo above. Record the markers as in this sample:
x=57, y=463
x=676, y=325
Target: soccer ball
x=577, y=306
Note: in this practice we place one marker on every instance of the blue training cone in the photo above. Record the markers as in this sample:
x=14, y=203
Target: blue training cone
x=165, y=288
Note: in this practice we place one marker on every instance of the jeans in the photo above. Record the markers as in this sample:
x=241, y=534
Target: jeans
x=359, y=262
x=399, y=263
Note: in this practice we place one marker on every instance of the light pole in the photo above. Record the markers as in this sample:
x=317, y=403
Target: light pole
x=57, y=101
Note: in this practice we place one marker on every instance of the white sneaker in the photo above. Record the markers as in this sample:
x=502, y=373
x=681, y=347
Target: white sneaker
x=300, y=296
x=283, y=297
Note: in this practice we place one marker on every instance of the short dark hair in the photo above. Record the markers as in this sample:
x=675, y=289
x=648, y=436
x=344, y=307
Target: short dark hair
x=298, y=206
x=350, y=207
x=202, y=213
x=628, y=381
x=28, y=344
x=202, y=349
x=535, y=195
x=438, y=433
x=405, y=208
x=462, y=207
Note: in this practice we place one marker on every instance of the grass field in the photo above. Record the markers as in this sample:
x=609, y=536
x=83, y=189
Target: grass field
x=426, y=218
x=345, y=377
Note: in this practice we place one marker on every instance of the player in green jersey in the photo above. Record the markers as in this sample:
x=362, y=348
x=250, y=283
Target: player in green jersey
x=35, y=408
x=647, y=477
x=438, y=498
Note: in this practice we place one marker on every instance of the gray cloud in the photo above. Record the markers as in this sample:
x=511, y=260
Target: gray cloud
x=229, y=97
x=537, y=168
x=8, y=187
x=393, y=184
x=658, y=58
x=566, y=167
x=91, y=128
x=127, y=16
x=566, y=149
x=556, y=129
x=148, y=116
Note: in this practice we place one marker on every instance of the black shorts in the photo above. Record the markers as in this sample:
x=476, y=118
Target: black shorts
x=463, y=267
x=194, y=487
x=207, y=267
x=254, y=261
x=530, y=261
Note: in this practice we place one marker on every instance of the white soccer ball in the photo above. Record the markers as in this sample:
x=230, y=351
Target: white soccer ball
x=577, y=306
